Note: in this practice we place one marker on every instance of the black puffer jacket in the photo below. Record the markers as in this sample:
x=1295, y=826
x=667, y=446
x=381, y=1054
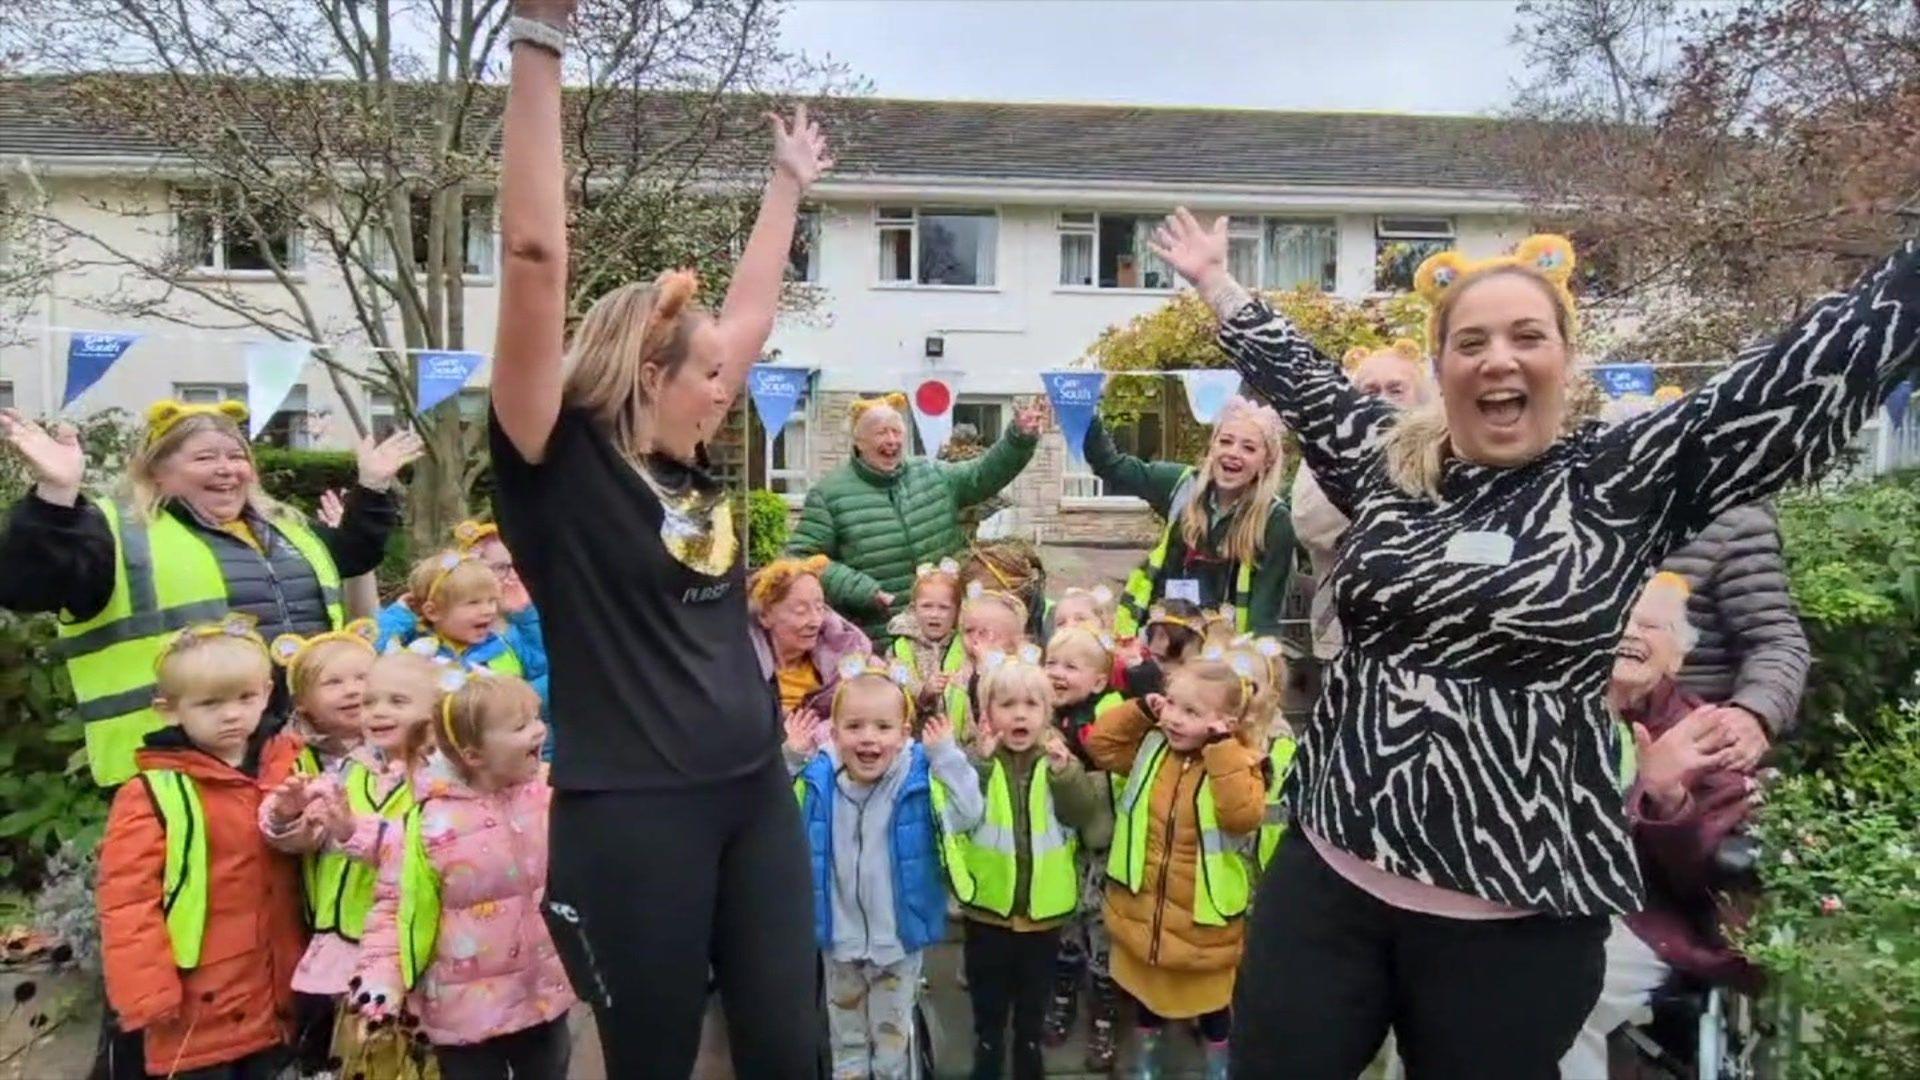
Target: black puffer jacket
x=1752, y=651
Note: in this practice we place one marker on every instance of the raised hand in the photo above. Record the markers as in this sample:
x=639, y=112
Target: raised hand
x=937, y=731
x=56, y=460
x=513, y=593
x=1030, y=420
x=1059, y=754
x=1199, y=254
x=985, y=740
x=936, y=684
x=804, y=730
x=883, y=600
x=799, y=149
x=332, y=511
x=288, y=800
x=381, y=462
x=1695, y=746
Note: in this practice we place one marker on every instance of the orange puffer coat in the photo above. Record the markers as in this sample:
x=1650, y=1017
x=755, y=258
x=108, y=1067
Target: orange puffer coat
x=1156, y=924
x=239, y=1000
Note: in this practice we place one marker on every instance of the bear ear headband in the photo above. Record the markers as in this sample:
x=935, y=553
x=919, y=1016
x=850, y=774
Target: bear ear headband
x=896, y=401
x=976, y=591
x=945, y=568
x=1549, y=256
x=1028, y=654
x=1404, y=348
x=449, y=562
x=855, y=665
x=287, y=649
x=1264, y=417
x=164, y=416
x=1159, y=616
x=471, y=534
x=780, y=573
x=235, y=624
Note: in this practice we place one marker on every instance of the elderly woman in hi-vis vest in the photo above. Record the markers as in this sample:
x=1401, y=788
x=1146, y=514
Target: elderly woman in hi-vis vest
x=189, y=537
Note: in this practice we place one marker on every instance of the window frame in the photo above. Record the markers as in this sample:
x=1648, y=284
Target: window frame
x=382, y=407
x=1251, y=228
x=484, y=273
x=1064, y=228
x=1405, y=228
x=884, y=223
x=807, y=229
x=288, y=427
x=186, y=199
x=1092, y=494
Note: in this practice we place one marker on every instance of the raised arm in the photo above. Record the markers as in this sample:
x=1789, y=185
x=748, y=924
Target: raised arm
x=1338, y=426
x=746, y=315
x=982, y=478
x=1779, y=415
x=530, y=334
x=56, y=551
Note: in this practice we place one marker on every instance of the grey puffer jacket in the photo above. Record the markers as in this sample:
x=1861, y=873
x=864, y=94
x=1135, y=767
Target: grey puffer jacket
x=1752, y=651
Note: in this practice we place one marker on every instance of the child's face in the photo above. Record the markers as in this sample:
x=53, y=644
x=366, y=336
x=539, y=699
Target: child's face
x=1163, y=645
x=509, y=750
x=1076, y=675
x=1192, y=714
x=399, y=698
x=1018, y=715
x=869, y=729
x=934, y=608
x=1077, y=611
x=468, y=621
x=987, y=627
x=220, y=721
x=333, y=697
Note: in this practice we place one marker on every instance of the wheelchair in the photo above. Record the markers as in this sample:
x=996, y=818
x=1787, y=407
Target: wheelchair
x=1697, y=1031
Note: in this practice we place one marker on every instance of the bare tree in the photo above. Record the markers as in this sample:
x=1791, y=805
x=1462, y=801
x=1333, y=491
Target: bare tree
x=346, y=149
x=1720, y=164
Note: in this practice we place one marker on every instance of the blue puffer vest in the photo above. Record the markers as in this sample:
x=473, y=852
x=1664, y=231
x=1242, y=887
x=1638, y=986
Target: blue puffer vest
x=919, y=880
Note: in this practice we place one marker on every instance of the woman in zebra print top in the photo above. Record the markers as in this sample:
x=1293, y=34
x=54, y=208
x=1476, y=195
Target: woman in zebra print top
x=1461, y=762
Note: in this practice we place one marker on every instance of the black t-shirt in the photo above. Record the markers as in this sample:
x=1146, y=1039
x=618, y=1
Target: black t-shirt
x=654, y=679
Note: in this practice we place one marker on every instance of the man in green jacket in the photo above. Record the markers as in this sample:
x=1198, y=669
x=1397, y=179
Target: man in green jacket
x=881, y=515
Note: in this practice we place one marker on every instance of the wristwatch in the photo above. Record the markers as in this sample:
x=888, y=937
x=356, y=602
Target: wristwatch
x=543, y=35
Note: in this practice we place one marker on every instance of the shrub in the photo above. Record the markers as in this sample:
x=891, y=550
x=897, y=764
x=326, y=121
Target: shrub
x=767, y=527
x=1840, y=901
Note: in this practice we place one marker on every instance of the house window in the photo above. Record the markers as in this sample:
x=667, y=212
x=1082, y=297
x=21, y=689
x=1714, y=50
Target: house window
x=976, y=421
x=1401, y=244
x=1109, y=251
x=6, y=394
x=288, y=428
x=219, y=233
x=384, y=419
x=779, y=463
x=476, y=232
x=1142, y=436
x=803, y=258
x=953, y=246
x=1300, y=252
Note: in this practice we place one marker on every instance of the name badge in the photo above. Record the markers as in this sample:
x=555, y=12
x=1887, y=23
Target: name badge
x=1480, y=548
x=1182, y=588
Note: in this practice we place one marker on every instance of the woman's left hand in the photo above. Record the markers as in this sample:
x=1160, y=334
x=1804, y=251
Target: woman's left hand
x=381, y=462
x=1030, y=420
x=799, y=149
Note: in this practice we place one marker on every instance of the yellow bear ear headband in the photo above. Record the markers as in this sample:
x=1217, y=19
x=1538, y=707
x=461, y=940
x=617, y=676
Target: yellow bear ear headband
x=287, y=649
x=234, y=624
x=896, y=401
x=777, y=575
x=450, y=682
x=1546, y=255
x=1159, y=616
x=164, y=416
x=449, y=562
x=977, y=592
x=1404, y=348
x=1028, y=654
x=859, y=664
x=471, y=534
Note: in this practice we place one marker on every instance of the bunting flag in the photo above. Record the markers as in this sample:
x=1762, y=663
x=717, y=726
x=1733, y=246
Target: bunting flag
x=272, y=369
x=1621, y=380
x=89, y=355
x=441, y=375
x=932, y=401
x=1075, y=396
x=1209, y=390
x=776, y=392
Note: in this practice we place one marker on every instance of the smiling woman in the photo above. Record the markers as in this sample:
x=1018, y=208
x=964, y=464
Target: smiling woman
x=799, y=639
x=1461, y=761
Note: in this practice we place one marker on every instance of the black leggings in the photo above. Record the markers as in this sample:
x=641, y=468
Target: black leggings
x=647, y=890
x=1214, y=1026
x=540, y=1052
x=1328, y=968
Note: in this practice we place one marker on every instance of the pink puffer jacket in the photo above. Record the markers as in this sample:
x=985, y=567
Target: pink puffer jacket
x=494, y=967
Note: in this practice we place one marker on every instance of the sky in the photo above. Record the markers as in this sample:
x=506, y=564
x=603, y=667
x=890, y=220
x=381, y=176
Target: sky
x=1427, y=56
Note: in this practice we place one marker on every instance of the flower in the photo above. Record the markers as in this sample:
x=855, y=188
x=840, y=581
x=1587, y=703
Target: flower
x=1787, y=859
x=1832, y=905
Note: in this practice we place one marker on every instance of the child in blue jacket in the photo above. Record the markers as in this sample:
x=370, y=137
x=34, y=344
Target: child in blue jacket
x=878, y=809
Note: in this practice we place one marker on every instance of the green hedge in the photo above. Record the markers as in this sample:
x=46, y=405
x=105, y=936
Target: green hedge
x=767, y=527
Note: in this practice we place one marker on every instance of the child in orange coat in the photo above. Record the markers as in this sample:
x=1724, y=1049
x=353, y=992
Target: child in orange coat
x=212, y=990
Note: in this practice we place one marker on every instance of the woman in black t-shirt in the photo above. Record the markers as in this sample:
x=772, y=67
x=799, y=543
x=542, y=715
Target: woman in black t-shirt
x=675, y=840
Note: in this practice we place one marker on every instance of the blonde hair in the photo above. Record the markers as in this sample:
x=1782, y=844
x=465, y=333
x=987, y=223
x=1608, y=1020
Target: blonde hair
x=1085, y=642
x=1006, y=601
x=211, y=664
x=426, y=672
x=312, y=663
x=1416, y=447
x=143, y=487
x=462, y=718
x=1102, y=609
x=1014, y=676
x=771, y=583
x=1247, y=528
x=467, y=578
x=871, y=679
x=623, y=333
x=1237, y=694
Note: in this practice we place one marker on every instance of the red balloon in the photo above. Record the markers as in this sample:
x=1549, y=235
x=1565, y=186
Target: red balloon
x=933, y=397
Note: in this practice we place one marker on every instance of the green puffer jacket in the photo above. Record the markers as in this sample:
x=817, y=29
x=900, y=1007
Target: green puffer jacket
x=877, y=529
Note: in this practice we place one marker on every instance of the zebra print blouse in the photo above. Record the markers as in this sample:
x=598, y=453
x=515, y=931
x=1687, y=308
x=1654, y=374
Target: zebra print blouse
x=1462, y=738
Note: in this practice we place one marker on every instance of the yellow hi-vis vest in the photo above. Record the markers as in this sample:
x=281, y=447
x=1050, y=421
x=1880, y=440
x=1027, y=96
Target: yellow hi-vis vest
x=1053, y=886
x=1273, y=826
x=959, y=709
x=166, y=578
x=1137, y=597
x=183, y=884
x=339, y=888
x=419, y=916
x=1222, y=886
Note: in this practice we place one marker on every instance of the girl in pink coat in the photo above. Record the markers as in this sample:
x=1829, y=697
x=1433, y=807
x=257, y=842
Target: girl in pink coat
x=487, y=986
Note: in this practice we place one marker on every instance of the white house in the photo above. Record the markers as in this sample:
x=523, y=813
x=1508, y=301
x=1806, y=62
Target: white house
x=992, y=241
